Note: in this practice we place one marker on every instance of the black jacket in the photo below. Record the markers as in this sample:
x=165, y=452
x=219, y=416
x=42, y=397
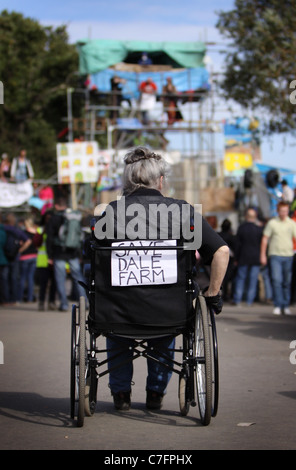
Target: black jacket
x=210, y=240
x=155, y=306
x=249, y=237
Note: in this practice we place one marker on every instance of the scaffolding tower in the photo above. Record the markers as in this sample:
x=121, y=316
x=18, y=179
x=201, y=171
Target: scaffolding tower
x=192, y=140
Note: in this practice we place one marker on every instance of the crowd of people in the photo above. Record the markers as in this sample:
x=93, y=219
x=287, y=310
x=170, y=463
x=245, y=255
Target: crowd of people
x=262, y=265
x=34, y=266
x=34, y=262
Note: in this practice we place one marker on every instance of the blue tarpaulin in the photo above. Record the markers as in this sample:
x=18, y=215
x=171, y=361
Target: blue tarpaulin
x=275, y=193
x=184, y=80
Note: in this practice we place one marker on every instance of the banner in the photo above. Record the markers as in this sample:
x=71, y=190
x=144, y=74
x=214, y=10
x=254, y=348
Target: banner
x=81, y=162
x=15, y=194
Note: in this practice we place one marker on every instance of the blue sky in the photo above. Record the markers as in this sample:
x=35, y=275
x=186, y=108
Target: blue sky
x=155, y=20
x=161, y=20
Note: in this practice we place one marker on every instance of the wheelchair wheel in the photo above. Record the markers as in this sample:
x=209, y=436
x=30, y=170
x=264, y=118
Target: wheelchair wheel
x=73, y=362
x=203, y=370
x=184, y=403
x=81, y=362
x=215, y=363
x=78, y=362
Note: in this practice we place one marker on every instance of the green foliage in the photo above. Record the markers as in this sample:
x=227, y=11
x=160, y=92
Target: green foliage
x=36, y=66
x=260, y=64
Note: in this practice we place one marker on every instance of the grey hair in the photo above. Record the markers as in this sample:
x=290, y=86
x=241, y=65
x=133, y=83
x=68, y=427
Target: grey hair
x=143, y=168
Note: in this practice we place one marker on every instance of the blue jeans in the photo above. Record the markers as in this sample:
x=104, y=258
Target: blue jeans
x=158, y=376
x=60, y=279
x=281, y=276
x=13, y=280
x=246, y=274
x=4, y=286
x=27, y=271
x=267, y=282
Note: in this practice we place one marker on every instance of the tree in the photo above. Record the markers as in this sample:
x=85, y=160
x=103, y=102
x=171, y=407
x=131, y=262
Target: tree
x=260, y=64
x=36, y=66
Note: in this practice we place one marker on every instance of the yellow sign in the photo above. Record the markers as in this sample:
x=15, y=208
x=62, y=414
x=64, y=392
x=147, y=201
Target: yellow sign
x=234, y=161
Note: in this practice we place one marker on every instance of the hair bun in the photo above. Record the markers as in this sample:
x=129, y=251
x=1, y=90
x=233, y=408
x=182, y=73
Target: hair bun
x=140, y=153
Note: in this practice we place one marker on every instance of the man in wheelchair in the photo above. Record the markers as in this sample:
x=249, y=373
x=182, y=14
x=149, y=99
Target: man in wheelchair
x=143, y=180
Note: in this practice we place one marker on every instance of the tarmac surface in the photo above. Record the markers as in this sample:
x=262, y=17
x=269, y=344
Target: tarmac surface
x=257, y=405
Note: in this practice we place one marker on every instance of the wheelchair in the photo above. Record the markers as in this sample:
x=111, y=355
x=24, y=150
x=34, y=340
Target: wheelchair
x=176, y=309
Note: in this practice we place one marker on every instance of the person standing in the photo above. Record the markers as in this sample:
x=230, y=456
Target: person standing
x=148, y=91
x=21, y=168
x=27, y=263
x=288, y=193
x=277, y=241
x=116, y=95
x=17, y=241
x=44, y=271
x=228, y=283
x=170, y=99
x=5, y=167
x=247, y=257
x=60, y=251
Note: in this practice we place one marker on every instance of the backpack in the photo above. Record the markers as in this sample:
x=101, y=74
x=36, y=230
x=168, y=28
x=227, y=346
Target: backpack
x=70, y=233
x=11, y=247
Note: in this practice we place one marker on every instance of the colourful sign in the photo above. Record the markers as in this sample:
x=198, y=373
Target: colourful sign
x=80, y=162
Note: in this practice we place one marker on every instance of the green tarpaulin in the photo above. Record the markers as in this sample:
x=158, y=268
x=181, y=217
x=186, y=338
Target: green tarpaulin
x=99, y=54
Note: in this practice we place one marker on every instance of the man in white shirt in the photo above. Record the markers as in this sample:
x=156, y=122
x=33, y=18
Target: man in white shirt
x=278, y=238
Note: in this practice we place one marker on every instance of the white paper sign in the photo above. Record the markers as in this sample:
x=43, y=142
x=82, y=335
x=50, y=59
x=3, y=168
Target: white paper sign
x=138, y=267
x=15, y=194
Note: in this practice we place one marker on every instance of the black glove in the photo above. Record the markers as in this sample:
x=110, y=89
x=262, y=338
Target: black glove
x=215, y=302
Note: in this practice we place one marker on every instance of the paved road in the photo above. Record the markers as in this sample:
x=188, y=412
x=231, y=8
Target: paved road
x=257, y=390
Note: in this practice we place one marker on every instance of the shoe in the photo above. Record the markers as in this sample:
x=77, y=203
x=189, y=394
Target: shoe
x=235, y=304
x=154, y=400
x=41, y=306
x=287, y=311
x=122, y=400
x=277, y=311
x=52, y=306
x=63, y=309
